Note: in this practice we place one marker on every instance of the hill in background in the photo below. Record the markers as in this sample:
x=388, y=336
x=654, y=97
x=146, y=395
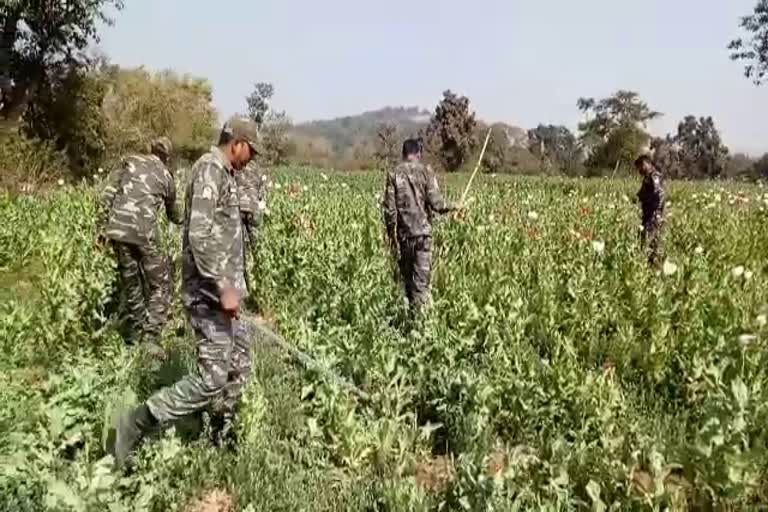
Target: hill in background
x=343, y=134
x=347, y=132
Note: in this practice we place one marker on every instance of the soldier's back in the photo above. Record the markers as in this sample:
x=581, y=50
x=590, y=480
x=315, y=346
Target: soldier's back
x=143, y=186
x=414, y=217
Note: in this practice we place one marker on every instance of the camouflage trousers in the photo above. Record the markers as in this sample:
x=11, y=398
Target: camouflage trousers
x=416, y=270
x=223, y=368
x=146, y=279
x=650, y=237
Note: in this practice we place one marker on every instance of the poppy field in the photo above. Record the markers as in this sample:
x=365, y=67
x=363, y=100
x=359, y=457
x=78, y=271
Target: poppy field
x=554, y=371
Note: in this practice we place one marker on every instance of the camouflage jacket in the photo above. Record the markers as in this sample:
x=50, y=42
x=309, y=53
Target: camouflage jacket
x=411, y=197
x=134, y=194
x=251, y=183
x=212, y=253
x=652, y=198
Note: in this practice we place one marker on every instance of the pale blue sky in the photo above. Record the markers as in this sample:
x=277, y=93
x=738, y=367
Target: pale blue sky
x=520, y=61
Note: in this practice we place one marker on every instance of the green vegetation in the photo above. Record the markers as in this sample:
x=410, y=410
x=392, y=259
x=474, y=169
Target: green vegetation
x=556, y=372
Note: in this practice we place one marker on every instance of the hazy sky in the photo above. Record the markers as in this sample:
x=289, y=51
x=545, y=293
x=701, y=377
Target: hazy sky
x=520, y=61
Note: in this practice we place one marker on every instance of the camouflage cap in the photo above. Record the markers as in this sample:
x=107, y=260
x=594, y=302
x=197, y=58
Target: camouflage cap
x=245, y=130
x=162, y=145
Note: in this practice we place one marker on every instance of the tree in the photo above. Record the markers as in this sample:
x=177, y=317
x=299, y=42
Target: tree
x=274, y=125
x=702, y=152
x=258, y=102
x=497, y=157
x=67, y=113
x=140, y=105
x=666, y=156
x=614, y=131
x=753, y=49
x=40, y=39
x=696, y=151
x=450, y=135
x=740, y=166
x=277, y=144
x=387, y=152
x=761, y=167
x=555, y=146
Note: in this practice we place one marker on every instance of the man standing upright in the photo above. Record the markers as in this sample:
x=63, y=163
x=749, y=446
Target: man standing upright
x=652, y=203
x=213, y=288
x=134, y=194
x=411, y=198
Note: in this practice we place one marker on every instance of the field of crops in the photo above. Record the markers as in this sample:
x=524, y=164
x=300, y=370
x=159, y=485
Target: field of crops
x=554, y=372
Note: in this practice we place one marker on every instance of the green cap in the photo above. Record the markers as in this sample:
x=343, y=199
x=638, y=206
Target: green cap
x=245, y=130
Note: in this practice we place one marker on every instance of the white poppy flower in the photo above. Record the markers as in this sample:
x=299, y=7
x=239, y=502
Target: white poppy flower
x=598, y=246
x=747, y=339
x=101, y=170
x=699, y=250
x=305, y=188
x=262, y=205
x=748, y=275
x=761, y=320
x=491, y=218
x=669, y=268
x=61, y=182
x=533, y=215
x=737, y=271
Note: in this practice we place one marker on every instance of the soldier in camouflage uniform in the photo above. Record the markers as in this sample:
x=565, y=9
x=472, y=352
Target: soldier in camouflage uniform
x=411, y=198
x=652, y=202
x=134, y=194
x=251, y=184
x=212, y=289
x=252, y=188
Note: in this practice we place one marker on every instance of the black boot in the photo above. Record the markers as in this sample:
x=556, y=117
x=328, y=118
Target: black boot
x=221, y=429
x=131, y=429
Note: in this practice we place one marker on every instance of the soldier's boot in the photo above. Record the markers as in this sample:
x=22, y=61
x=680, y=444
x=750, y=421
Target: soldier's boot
x=131, y=429
x=222, y=432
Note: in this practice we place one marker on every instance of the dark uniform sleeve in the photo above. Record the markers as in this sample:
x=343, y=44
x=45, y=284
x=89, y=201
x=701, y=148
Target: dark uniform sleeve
x=172, y=209
x=390, y=207
x=435, y=199
x=204, y=241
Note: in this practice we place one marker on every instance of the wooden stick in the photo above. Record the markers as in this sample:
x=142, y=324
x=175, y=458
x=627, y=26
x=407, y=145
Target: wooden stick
x=259, y=332
x=477, y=167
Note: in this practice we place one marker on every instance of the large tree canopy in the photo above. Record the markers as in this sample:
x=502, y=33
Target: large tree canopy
x=41, y=36
x=450, y=135
x=753, y=48
x=614, y=131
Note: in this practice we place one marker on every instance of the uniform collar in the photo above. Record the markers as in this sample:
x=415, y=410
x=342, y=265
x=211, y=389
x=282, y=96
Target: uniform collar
x=219, y=155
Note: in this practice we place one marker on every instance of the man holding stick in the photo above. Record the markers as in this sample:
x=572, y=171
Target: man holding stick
x=411, y=198
x=213, y=288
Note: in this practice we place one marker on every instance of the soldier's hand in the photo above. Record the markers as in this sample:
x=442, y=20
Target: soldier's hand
x=460, y=212
x=230, y=301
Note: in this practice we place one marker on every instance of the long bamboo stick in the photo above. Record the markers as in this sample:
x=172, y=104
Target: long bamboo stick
x=477, y=167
